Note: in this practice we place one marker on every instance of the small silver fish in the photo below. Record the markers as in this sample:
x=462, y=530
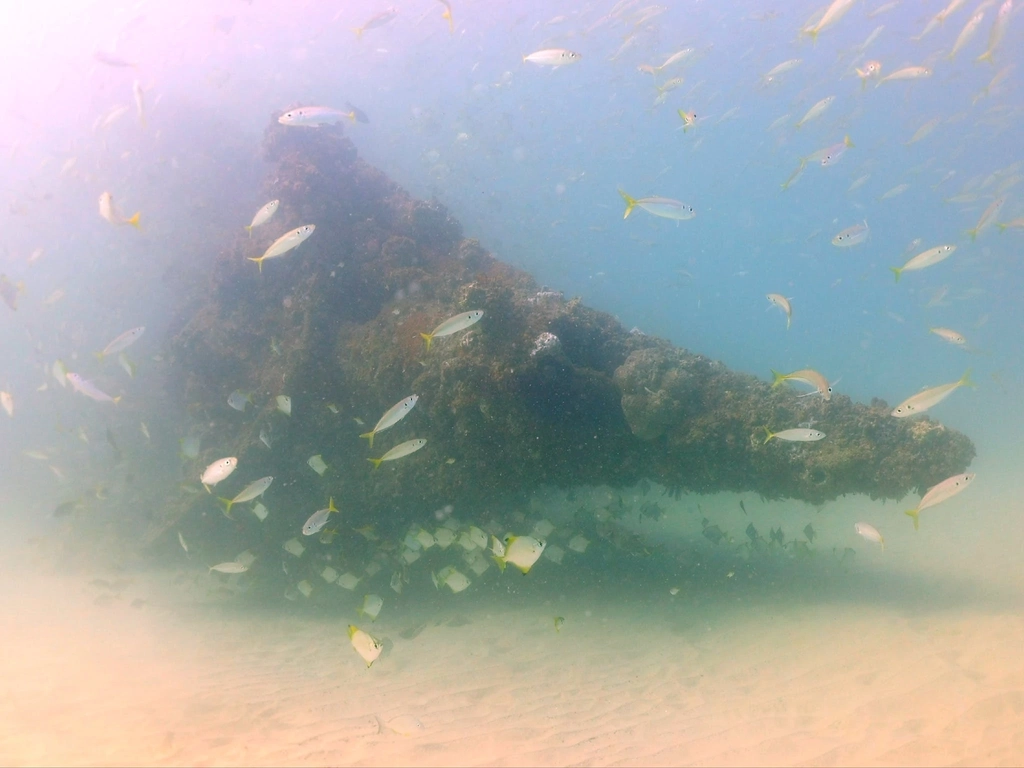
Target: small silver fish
x=318, y=519
x=229, y=567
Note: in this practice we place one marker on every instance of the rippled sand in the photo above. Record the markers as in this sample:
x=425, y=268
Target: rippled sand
x=915, y=666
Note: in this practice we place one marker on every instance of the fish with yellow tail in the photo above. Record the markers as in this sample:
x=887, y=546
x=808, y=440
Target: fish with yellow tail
x=109, y=212
x=552, y=57
x=832, y=14
x=253, y=490
x=399, y=451
x=907, y=73
x=318, y=519
x=805, y=376
x=924, y=259
x=263, y=215
x=447, y=15
x=929, y=398
x=376, y=22
x=663, y=207
x=121, y=343
x=367, y=646
x=453, y=325
x=937, y=494
x=521, y=551
x=780, y=301
x=995, y=37
x=869, y=533
x=988, y=217
x=285, y=243
x=689, y=119
x=795, y=435
x=871, y=71
x=392, y=416
x=90, y=390
x=217, y=471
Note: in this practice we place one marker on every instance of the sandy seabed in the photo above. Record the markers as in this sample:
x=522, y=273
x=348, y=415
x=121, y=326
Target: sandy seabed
x=909, y=668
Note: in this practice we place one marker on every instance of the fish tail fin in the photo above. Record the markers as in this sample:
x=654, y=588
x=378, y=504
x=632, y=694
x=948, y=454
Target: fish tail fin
x=228, y=503
x=897, y=271
x=914, y=514
x=986, y=56
x=769, y=434
x=789, y=319
x=248, y=228
x=965, y=380
x=352, y=629
x=330, y=506
x=1002, y=227
x=369, y=435
x=500, y=561
x=847, y=141
x=630, y=204
x=359, y=32
x=99, y=356
x=429, y=338
x=134, y=220
x=207, y=488
x=259, y=263
x=376, y=462
x=116, y=400
x=881, y=540
x=973, y=233
x=777, y=378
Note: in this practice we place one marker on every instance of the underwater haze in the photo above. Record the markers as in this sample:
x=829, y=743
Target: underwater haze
x=790, y=187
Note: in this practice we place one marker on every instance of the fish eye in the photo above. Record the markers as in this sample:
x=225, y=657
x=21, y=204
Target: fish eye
x=830, y=390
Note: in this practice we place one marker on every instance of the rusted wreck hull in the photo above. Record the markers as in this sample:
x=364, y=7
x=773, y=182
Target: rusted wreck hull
x=542, y=391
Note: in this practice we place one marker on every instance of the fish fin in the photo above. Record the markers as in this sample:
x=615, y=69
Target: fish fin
x=965, y=380
x=847, y=141
x=359, y=32
x=376, y=462
x=881, y=539
x=330, y=506
x=1002, y=227
x=778, y=378
x=369, y=435
x=99, y=356
x=973, y=233
x=259, y=263
x=116, y=400
x=207, y=488
x=134, y=220
x=769, y=434
x=897, y=271
x=525, y=570
x=248, y=229
x=352, y=629
x=986, y=56
x=630, y=204
x=429, y=338
x=500, y=562
x=228, y=503
x=914, y=514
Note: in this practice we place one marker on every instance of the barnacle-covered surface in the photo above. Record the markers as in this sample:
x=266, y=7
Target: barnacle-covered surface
x=543, y=390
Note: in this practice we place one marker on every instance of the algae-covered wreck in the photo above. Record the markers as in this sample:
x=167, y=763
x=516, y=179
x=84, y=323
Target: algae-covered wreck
x=542, y=390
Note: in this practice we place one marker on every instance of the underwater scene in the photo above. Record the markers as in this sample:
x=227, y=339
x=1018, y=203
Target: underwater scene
x=478, y=382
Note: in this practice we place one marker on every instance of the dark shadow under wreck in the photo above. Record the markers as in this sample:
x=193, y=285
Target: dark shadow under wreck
x=541, y=391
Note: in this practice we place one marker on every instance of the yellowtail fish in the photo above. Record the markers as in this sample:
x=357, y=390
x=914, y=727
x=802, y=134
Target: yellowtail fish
x=122, y=342
x=263, y=215
x=453, y=325
x=376, y=21
x=816, y=111
x=285, y=243
x=367, y=646
x=140, y=108
x=521, y=551
x=392, y=416
x=253, y=490
x=949, y=335
x=318, y=519
x=870, y=533
x=230, y=567
x=930, y=397
x=907, y=73
x=995, y=37
x=552, y=57
x=851, y=236
x=988, y=218
x=780, y=301
x=219, y=470
x=447, y=15
x=689, y=119
x=835, y=153
x=109, y=212
x=772, y=75
x=937, y=494
x=966, y=34
x=89, y=389
x=7, y=403
x=10, y=291
x=805, y=376
x=925, y=259
x=675, y=58
x=240, y=400
x=400, y=450
x=1017, y=223
x=314, y=117
x=833, y=13
x=795, y=175
x=665, y=207
x=924, y=131
x=899, y=189
x=872, y=70
x=796, y=435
